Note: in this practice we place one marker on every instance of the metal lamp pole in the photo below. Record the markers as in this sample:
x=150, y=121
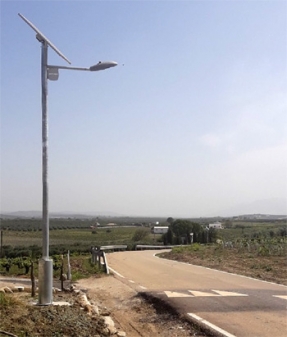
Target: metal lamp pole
x=44, y=78
x=45, y=273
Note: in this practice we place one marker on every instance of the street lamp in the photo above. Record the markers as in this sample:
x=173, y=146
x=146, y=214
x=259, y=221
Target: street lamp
x=51, y=72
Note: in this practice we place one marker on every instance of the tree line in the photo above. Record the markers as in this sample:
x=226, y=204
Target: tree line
x=186, y=232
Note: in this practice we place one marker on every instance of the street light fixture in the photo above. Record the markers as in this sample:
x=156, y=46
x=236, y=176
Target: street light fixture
x=51, y=72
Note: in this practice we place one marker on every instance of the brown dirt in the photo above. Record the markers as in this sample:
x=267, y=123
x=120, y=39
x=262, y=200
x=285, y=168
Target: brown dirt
x=132, y=314
x=21, y=318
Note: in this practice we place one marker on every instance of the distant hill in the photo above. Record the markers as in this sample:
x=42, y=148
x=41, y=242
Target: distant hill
x=115, y=216
x=38, y=214
x=261, y=216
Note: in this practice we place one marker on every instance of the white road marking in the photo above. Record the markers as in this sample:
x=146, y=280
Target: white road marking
x=284, y=297
x=194, y=293
x=176, y=294
x=228, y=293
x=131, y=281
x=202, y=294
x=210, y=325
x=116, y=272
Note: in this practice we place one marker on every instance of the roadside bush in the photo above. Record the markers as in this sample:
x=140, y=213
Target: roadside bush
x=6, y=300
x=189, y=248
x=140, y=234
x=282, y=231
x=7, y=264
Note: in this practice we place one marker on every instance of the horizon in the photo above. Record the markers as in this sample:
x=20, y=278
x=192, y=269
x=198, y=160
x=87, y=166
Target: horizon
x=116, y=215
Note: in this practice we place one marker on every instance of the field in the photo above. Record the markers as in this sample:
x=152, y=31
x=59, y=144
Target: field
x=76, y=236
x=87, y=237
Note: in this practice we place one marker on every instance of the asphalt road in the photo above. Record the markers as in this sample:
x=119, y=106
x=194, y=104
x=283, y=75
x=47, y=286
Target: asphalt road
x=228, y=304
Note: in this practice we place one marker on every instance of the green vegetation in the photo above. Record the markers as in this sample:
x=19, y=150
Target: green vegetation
x=81, y=266
x=22, y=238
x=179, y=232
x=252, y=229
x=191, y=248
x=20, y=243
x=141, y=234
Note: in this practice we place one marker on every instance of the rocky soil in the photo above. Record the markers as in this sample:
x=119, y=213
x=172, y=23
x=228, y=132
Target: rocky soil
x=113, y=309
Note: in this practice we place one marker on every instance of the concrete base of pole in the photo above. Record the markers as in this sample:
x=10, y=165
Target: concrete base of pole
x=45, y=281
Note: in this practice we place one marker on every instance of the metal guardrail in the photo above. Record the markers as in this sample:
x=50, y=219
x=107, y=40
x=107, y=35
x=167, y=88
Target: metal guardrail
x=114, y=247
x=137, y=247
x=99, y=255
x=152, y=247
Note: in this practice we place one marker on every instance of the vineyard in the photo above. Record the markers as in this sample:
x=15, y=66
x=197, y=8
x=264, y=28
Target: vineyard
x=81, y=266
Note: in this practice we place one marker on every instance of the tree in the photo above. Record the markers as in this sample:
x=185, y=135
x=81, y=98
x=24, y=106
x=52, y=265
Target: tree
x=211, y=235
x=179, y=232
x=168, y=238
x=228, y=223
x=170, y=220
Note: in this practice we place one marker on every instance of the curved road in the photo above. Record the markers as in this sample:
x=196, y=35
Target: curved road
x=228, y=304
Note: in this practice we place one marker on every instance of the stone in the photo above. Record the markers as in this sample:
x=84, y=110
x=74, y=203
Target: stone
x=6, y=290
x=112, y=330
x=108, y=321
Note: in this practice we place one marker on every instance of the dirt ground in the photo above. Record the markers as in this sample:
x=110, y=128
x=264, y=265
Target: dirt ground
x=132, y=314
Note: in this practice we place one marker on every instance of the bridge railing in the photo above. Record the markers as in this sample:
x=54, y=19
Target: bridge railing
x=114, y=247
x=99, y=255
x=141, y=247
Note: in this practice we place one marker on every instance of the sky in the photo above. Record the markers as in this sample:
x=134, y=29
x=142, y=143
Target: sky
x=191, y=123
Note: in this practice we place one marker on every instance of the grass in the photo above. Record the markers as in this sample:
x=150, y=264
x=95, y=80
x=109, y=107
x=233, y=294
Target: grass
x=82, y=267
x=6, y=300
x=245, y=228
x=102, y=236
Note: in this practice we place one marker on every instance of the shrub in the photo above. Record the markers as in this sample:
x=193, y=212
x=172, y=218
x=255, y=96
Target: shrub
x=140, y=234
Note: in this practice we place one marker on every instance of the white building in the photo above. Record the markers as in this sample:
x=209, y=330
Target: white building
x=216, y=225
x=159, y=229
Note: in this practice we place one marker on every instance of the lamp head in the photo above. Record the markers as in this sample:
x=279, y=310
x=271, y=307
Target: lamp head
x=103, y=65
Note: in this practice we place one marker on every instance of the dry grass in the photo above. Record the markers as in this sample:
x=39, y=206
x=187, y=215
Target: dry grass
x=271, y=268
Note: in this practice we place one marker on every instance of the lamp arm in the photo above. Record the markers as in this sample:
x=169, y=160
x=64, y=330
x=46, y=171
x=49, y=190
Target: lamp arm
x=68, y=68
